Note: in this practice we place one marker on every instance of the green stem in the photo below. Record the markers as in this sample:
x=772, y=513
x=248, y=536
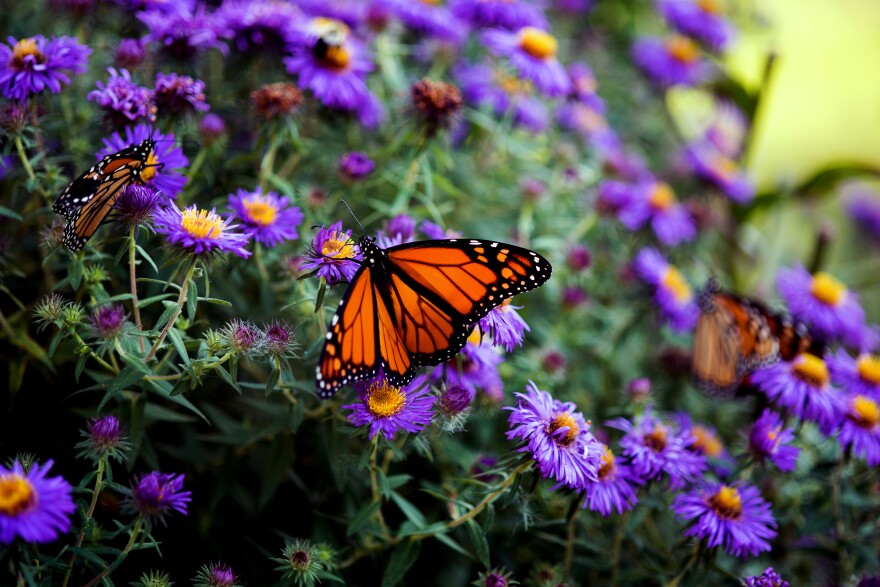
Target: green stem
x=131, y=541
x=571, y=532
x=196, y=164
x=99, y=478
x=374, y=486
x=615, y=552
x=268, y=163
x=180, y=301
x=19, y=146
x=132, y=279
x=92, y=353
x=690, y=562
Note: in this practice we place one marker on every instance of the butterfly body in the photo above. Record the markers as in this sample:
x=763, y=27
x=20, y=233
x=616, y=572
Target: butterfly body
x=88, y=199
x=415, y=304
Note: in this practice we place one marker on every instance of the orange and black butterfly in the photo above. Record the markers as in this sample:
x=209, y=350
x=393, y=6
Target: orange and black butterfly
x=736, y=335
x=415, y=304
x=86, y=202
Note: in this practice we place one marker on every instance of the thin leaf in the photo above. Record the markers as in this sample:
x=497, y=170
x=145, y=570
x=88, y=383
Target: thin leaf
x=401, y=560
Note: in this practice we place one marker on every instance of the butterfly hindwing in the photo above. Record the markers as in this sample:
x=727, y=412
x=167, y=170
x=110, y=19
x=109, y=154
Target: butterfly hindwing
x=415, y=304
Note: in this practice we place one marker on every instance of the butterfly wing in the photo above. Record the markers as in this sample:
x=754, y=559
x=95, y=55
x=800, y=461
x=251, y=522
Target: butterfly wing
x=86, y=202
x=415, y=304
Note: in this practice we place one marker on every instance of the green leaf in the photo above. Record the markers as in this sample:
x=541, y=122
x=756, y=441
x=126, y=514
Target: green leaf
x=126, y=378
x=409, y=510
x=4, y=211
x=361, y=518
x=146, y=257
x=80, y=365
x=216, y=301
x=137, y=364
x=478, y=541
x=272, y=381
x=170, y=308
x=178, y=344
x=192, y=296
x=75, y=272
x=153, y=299
x=401, y=560
x=448, y=541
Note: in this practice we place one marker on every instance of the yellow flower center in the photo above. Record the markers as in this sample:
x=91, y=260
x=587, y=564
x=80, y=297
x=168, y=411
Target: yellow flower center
x=512, y=85
x=336, y=58
x=710, y=6
x=811, y=369
x=561, y=421
x=682, y=49
x=16, y=494
x=384, y=400
x=202, y=223
x=432, y=2
x=662, y=196
x=260, y=211
x=656, y=439
x=706, y=441
x=827, y=289
x=150, y=167
x=868, y=367
x=727, y=503
x=674, y=282
x=865, y=411
x=537, y=43
x=22, y=50
x=338, y=245
x=723, y=166
x=606, y=466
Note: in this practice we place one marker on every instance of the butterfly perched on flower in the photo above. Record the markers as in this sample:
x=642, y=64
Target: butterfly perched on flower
x=87, y=201
x=415, y=304
x=736, y=335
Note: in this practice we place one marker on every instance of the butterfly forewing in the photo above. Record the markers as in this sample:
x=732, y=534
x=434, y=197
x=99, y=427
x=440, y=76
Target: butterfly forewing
x=415, y=304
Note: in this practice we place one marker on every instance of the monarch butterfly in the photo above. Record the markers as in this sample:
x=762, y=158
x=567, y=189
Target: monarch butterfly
x=88, y=199
x=736, y=335
x=415, y=304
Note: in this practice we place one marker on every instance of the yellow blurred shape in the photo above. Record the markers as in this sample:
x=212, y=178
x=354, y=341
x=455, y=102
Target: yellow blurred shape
x=823, y=103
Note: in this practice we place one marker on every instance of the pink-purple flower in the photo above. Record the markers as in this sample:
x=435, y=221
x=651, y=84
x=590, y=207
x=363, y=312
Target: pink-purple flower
x=355, y=166
x=671, y=291
x=195, y=231
x=676, y=60
x=31, y=65
x=505, y=325
x=614, y=488
x=269, y=217
x=557, y=436
x=503, y=93
x=33, y=506
x=333, y=255
x=769, y=578
x=122, y=99
x=769, y=440
x=653, y=202
x=477, y=369
x=713, y=166
x=860, y=428
x=700, y=19
x=532, y=52
x=505, y=14
x=155, y=495
x=181, y=33
x=432, y=19
x=734, y=517
x=859, y=374
x=179, y=94
x=387, y=409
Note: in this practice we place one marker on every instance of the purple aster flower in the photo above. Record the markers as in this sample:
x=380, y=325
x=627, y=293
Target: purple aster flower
x=179, y=94
x=613, y=196
x=767, y=440
x=455, y=399
x=108, y=321
x=671, y=291
x=402, y=226
x=769, y=578
x=710, y=164
x=856, y=375
x=336, y=74
x=589, y=123
x=481, y=84
x=557, y=436
x=333, y=255
x=478, y=369
x=350, y=12
x=387, y=409
x=860, y=428
x=355, y=166
x=532, y=52
x=122, y=100
x=433, y=231
x=512, y=15
x=258, y=26
x=34, y=64
x=155, y=494
x=200, y=232
x=803, y=386
x=579, y=258
x=654, y=448
x=181, y=34
x=216, y=575
x=161, y=170
x=700, y=19
x=278, y=339
x=242, y=337
x=211, y=129
x=497, y=577
x=269, y=217
x=104, y=437
x=136, y=204
x=614, y=488
x=735, y=517
x=505, y=325
x=34, y=507
x=639, y=389
x=706, y=442
x=672, y=61
x=826, y=305
x=654, y=202
x=130, y=53
x=727, y=128
x=573, y=7
x=430, y=19
x=583, y=86
x=863, y=206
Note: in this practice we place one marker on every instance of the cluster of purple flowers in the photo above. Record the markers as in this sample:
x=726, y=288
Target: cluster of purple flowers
x=125, y=102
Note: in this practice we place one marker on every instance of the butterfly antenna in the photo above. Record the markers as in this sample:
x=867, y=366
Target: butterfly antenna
x=347, y=207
